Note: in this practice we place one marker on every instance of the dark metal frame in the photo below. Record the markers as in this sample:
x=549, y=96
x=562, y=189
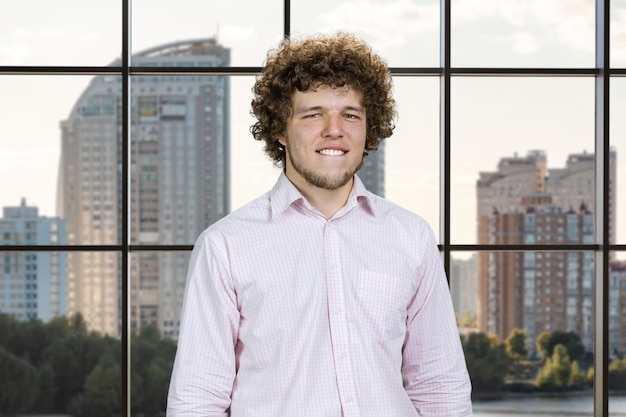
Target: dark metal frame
x=601, y=248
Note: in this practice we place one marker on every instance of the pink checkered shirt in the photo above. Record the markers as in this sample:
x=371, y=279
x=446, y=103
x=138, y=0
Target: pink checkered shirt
x=289, y=314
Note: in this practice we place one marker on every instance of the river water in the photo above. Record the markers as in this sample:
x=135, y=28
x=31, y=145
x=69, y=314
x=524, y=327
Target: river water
x=579, y=405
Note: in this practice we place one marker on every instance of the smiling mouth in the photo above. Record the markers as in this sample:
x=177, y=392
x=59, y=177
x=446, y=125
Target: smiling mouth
x=331, y=152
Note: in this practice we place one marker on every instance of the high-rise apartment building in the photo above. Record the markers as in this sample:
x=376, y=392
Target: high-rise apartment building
x=179, y=182
x=524, y=202
x=32, y=284
x=463, y=286
x=538, y=291
x=372, y=173
x=617, y=308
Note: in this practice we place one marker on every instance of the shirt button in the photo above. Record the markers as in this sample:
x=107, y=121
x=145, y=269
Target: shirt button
x=342, y=356
x=349, y=400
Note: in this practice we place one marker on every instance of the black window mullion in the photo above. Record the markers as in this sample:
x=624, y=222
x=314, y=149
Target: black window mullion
x=125, y=208
x=287, y=18
x=602, y=172
x=444, y=133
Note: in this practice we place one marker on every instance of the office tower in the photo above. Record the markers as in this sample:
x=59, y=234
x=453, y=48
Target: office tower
x=372, y=173
x=463, y=286
x=32, y=284
x=617, y=309
x=524, y=202
x=179, y=148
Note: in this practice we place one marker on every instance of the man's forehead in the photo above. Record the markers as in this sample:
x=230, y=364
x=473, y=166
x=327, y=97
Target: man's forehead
x=339, y=91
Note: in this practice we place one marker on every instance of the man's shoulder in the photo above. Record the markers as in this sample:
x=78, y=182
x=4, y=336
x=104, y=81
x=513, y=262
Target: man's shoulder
x=252, y=213
x=390, y=211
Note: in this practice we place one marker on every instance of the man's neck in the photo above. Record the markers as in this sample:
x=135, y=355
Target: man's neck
x=327, y=202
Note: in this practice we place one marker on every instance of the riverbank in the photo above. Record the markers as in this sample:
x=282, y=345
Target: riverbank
x=578, y=404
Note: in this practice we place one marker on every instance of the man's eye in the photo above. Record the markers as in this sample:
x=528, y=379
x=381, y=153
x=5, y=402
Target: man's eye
x=351, y=116
x=311, y=115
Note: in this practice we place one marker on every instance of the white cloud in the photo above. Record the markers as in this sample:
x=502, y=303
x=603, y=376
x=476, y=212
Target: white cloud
x=406, y=180
x=13, y=53
x=571, y=22
x=22, y=34
x=12, y=159
x=22, y=43
x=618, y=37
x=389, y=23
x=230, y=33
x=523, y=43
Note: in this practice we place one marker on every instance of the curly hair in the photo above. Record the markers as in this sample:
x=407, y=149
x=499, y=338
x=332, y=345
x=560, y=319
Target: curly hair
x=335, y=61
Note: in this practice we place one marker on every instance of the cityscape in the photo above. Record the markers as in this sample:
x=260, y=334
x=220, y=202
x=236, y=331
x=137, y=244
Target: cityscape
x=180, y=184
x=524, y=87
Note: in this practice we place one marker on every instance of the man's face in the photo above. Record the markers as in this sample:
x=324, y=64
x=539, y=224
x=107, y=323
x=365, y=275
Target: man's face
x=325, y=137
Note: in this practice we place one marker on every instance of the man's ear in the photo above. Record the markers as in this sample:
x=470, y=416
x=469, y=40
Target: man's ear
x=281, y=139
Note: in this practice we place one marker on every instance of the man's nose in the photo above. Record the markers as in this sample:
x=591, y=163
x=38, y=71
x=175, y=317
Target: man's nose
x=333, y=127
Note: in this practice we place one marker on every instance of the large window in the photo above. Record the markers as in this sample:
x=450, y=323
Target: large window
x=125, y=134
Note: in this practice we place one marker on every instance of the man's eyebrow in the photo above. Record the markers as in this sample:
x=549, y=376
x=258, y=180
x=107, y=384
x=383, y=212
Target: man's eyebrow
x=306, y=109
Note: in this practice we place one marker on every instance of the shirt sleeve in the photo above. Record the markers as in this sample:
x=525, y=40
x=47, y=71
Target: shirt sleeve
x=434, y=371
x=205, y=364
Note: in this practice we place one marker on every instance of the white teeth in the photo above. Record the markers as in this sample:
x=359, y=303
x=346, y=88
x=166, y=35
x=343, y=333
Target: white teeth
x=331, y=152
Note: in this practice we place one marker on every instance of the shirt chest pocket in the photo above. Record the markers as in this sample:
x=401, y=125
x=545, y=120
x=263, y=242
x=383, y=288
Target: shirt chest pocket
x=382, y=302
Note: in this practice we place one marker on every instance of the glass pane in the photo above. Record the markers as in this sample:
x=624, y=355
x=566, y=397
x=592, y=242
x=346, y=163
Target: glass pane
x=33, y=285
x=618, y=146
x=558, y=33
x=59, y=319
x=617, y=334
x=405, y=33
x=464, y=289
x=618, y=33
x=247, y=28
x=64, y=32
x=157, y=289
x=412, y=153
x=93, y=290
x=192, y=160
x=64, y=164
x=526, y=304
x=251, y=172
x=180, y=148
x=517, y=143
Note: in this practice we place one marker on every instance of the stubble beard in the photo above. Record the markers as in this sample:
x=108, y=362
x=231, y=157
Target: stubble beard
x=320, y=180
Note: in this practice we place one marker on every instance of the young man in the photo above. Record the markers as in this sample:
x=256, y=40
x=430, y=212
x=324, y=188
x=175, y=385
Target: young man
x=319, y=298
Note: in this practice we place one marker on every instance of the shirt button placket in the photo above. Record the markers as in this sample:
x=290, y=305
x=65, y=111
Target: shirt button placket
x=338, y=324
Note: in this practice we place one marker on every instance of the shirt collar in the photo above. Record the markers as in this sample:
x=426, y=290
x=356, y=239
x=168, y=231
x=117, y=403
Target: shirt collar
x=284, y=194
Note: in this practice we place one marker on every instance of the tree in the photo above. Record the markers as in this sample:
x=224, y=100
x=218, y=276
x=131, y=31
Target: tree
x=47, y=390
x=590, y=376
x=16, y=386
x=468, y=320
x=570, y=340
x=487, y=362
x=542, y=345
x=152, y=358
x=617, y=374
x=516, y=345
x=556, y=371
x=546, y=343
x=72, y=358
x=102, y=394
x=578, y=377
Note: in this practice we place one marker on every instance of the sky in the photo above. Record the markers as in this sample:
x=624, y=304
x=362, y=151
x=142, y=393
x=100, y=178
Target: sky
x=491, y=117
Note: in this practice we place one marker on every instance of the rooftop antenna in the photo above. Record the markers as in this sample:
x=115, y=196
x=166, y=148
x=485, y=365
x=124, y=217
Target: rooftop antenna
x=217, y=31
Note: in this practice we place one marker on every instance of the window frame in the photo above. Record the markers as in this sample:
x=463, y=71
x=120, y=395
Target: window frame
x=602, y=74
